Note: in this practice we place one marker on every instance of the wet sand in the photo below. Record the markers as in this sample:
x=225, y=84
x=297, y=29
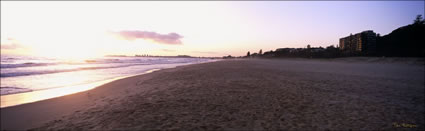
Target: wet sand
x=242, y=94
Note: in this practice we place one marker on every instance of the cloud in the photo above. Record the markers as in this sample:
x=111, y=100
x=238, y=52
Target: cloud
x=170, y=38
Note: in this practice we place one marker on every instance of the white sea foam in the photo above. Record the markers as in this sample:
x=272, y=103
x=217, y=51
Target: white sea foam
x=32, y=73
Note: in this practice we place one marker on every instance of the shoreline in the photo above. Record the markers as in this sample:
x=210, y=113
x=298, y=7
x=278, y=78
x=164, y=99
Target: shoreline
x=29, y=115
x=239, y=94
x=16, y=99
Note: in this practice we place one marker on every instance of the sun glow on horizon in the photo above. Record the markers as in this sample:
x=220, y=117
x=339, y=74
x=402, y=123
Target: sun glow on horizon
x=76, y=29
x=55, y=46
x=81, y=46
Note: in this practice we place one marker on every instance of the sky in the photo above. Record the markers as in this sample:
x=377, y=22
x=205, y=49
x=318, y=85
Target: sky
x=80, y=29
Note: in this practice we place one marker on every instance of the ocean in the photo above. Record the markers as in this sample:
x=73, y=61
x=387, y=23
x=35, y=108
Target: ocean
x=27, y=74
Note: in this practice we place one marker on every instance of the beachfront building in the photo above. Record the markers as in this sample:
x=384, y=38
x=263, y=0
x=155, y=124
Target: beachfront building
x=363, y=42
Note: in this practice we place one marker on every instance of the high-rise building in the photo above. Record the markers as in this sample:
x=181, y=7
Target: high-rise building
x=364, y=42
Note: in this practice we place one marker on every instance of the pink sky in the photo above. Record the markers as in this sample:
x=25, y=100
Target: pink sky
x=196, y=28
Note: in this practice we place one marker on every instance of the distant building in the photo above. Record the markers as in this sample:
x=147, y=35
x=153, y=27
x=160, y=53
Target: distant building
x=364, y=42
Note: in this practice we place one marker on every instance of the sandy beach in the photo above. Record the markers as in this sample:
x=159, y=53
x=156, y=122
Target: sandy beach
x=243, y=94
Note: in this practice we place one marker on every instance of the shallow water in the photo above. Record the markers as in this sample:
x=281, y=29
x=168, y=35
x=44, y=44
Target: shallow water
x=26, y=74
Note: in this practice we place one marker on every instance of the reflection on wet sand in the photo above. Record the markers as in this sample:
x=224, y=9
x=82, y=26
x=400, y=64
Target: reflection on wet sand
x=28, y=97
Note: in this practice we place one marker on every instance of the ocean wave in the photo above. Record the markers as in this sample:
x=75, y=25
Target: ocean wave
x=40, y=72
x=26, y=69
x=27, y=64
x=12, y=90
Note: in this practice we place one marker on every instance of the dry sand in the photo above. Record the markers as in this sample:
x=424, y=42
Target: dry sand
x=242, y=94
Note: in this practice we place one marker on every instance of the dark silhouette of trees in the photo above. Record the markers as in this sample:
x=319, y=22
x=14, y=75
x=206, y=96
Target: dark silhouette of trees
x=311, y=52
x=248, y=54
x=269, y=54
x=406, y=41
x=228, y=57
x=260, y=52
x=418, y=20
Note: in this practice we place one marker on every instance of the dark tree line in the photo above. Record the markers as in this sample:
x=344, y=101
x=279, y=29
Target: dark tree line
x=406, y=41
x=310, y=52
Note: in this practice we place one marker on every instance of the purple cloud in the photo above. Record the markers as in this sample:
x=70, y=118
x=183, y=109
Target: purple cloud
x=170, y=38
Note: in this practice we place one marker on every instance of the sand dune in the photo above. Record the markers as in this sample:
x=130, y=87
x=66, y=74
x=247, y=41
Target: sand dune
x=243, y=94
